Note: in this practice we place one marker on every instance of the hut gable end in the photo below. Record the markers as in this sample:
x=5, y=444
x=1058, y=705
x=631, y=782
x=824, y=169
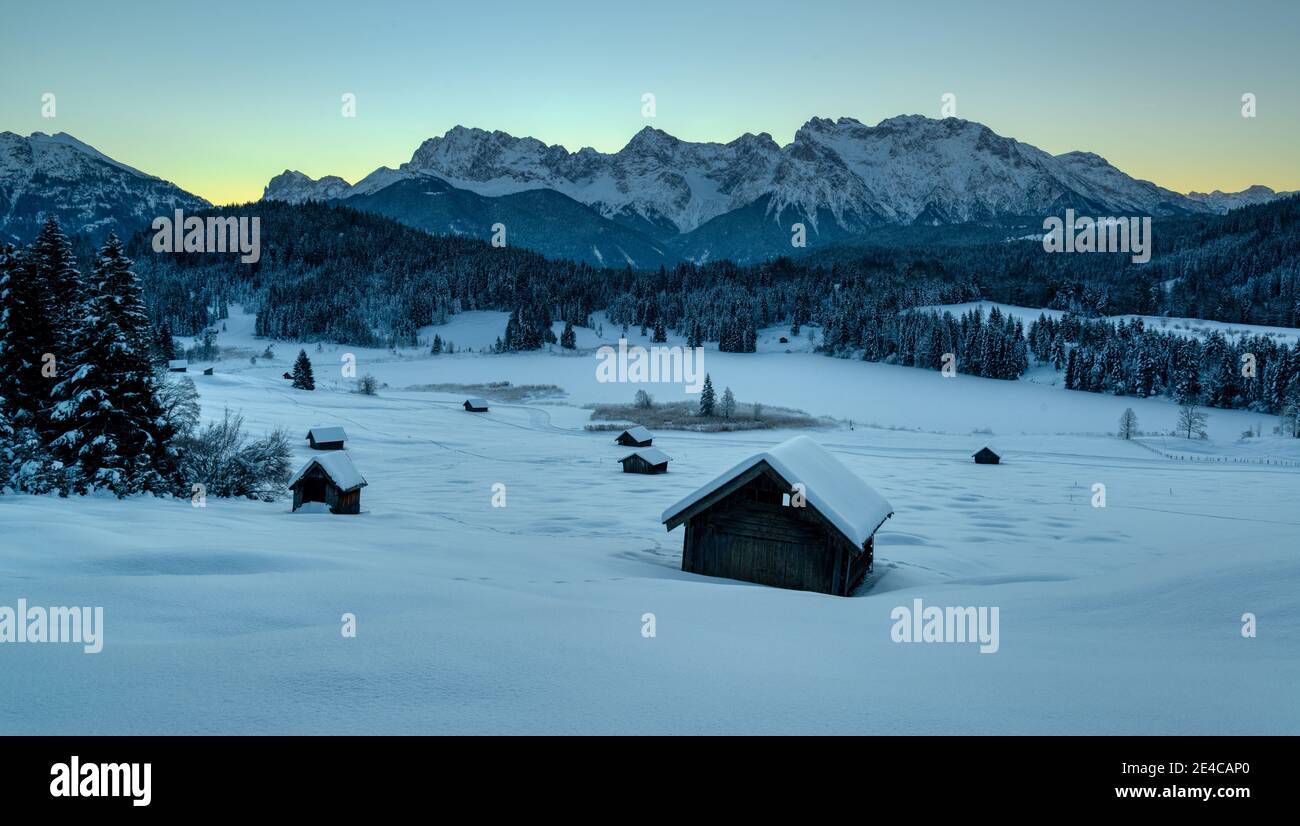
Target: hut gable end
x=791, y=517
x=848, y=503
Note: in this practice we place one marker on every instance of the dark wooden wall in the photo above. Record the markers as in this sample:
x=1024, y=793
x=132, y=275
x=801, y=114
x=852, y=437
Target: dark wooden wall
x=337, y=501
x=635, y=464
x=750, y=535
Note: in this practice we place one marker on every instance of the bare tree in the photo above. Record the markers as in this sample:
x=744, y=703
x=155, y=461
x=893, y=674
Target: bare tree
x=1128, y=424
x=223, y=459
x=1191, y=421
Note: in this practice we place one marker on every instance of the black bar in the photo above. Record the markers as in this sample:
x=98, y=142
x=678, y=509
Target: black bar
x=970, y=775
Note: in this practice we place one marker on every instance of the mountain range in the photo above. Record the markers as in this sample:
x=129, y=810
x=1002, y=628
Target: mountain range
x=840, y=178
x=657, y=200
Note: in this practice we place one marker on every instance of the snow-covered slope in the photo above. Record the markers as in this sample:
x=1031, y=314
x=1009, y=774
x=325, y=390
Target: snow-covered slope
x=89, y=192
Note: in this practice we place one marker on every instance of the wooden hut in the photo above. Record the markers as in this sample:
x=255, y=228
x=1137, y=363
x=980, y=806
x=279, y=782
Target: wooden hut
x=987, y=456
x=326, y=438
x=178, y=365
x=207, y=371
x=635, y=437
x=646, y=460
x=331, y=479
x=476, y=405
x=791, y=516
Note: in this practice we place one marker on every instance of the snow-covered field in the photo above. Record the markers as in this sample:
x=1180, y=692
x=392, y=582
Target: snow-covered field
x=528, y=618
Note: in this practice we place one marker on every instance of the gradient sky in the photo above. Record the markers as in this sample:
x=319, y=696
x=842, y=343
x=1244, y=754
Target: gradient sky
x=219, y=97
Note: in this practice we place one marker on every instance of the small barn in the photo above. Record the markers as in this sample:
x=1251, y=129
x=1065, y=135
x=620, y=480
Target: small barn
x=178, y=365
x=792, y=517
x=209, y=371
x=326, y=438
x=331, y=479
x=987, y=456
x=635, y=437
x=646, y=460
x=476, y=405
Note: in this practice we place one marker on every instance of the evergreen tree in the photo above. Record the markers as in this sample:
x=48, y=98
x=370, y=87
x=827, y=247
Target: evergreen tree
x=437, y=344
x=63, y=286
x=111, y=431
x=119, y=289
x=661, y=334
x=27, y=341
x=569, y=338
x=707, y=400
x=7, y=455
x=165, y=346
x=302, y=374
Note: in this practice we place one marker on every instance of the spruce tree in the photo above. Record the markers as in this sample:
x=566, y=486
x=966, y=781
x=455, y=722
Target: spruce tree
x=569, y=338
x=165, y=345
x=111, y=433
x=57, y=275
x=302, y=374
x=707, y=399
x=7, y=455
x=26, y=337
x=119, y=289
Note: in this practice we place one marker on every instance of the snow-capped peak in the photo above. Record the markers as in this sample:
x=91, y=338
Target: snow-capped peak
x=91, y=193
x=905, y=169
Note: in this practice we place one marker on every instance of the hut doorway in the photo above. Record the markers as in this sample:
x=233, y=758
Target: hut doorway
x=313, y=490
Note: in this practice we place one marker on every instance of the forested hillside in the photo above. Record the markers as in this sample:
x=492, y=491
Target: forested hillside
x=332, y=273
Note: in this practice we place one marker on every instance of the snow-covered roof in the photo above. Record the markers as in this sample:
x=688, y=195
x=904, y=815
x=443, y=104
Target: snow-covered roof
x=653, y=455
x=639, y=433
x=338, y=467
x=332, y=433
x=849, y=503
x=989, y=448
x=476, y=402
x=175, y=364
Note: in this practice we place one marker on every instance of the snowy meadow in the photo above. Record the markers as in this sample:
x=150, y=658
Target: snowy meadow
x=503, y=576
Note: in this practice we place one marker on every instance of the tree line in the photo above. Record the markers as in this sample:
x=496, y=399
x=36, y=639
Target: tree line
x=85, y=405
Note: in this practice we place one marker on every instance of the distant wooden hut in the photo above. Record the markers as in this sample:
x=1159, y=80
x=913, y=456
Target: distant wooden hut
x=987, y=456
x=209, y=371
x=331, y=479
x=178, y=365
x=791, y=516
x=326, y=438
x=476, y=405
x=635, y=437
x=646, y=460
